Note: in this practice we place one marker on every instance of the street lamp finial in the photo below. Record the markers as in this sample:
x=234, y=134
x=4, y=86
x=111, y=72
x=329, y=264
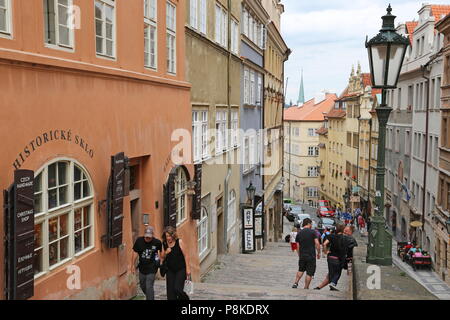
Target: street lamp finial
x=389, y=9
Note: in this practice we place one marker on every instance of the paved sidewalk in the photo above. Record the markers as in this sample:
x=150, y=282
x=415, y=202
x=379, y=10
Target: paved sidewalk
x=427, y=278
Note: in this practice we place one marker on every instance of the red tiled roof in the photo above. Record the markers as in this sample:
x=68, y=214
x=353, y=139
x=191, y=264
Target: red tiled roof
x=410, y=26
x=439, y=11
x=322, y=130
x=336, y=113
x=367, y=81
x=310, y=111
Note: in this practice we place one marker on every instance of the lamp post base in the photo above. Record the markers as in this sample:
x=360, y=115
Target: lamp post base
x=379, y=248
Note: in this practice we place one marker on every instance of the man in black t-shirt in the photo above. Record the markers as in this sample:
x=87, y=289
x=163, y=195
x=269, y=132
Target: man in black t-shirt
x=148, y=249
x=308, y=242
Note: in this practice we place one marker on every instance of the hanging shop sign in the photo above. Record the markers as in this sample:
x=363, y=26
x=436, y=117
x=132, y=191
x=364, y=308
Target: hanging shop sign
x=19, y=234
x=248, y=236
x=197, y=199
x=48, y=137
x=170, y=204
x=259, y=220
x=116, y=192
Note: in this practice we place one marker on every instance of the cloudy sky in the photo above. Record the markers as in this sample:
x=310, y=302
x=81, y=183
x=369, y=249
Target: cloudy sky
x=327, y=37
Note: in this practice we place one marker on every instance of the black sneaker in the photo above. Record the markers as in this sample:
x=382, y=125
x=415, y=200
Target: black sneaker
x=295, y=285
x=333, y=288
x=316, y=288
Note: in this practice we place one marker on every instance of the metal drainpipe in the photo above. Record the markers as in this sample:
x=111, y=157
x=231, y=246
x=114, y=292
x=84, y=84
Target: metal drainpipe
x=425, y=165
x=227, y=179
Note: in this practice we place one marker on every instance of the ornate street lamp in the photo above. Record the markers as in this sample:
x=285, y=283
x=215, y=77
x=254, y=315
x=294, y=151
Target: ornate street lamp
x=251, y=192
x=386, y=53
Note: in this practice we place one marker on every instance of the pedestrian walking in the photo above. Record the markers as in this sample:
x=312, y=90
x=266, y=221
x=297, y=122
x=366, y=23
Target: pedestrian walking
x=336, y=255
x=308, y=244
x=148, y=249
x=176, y=257
x=350, y=243
x=361, y=224
x=293, y=239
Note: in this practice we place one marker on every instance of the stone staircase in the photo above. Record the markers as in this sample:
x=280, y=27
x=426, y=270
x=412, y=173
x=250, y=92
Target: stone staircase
x=263, y=275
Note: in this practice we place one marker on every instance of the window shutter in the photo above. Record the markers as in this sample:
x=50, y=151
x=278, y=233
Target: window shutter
x=115, y=200
x=197, y=199
x=170, y=205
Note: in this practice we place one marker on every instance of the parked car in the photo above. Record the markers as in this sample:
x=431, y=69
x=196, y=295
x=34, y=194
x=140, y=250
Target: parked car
x=326, y=223
x=299, y=219
x=287, y=203
x=325, y=211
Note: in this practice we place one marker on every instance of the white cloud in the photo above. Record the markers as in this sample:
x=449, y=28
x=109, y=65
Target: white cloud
x=327, y=36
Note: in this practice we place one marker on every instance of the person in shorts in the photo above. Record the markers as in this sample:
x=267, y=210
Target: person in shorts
x=293, y=239
x=308, y=243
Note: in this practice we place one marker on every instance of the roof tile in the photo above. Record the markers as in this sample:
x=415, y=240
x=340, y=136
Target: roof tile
x=310, y=111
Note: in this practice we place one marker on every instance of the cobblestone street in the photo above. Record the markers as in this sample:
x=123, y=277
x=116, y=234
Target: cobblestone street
x=267, y=274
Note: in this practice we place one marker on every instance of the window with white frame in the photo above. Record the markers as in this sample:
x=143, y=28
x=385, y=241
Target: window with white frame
x=312, y=192
x=200, y=135
x=63, y=208
x=259, y=89
x=246, y=153
x=202, y=232
x=150, y=34
x=313, y=172
x=57, y=19
x=221, y=35
x=5, y=17
x=234, y=37
x=312, y=132
x=180, y=195
x=252, y=87
x=198, y=15
x=231, y=209
x=245, y=22
x=105, y=27
x=313, y=151
x=246, y=85
x=253, y=151
x=221, y=131
x=171, y=27
x=234, y=128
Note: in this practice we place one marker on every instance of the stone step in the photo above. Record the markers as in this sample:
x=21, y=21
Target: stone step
x=236, y=291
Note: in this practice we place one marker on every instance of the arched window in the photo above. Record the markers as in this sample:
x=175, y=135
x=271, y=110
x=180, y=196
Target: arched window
x=202, y=232
x=64, y=215
x=231, y=209
x=180, y=194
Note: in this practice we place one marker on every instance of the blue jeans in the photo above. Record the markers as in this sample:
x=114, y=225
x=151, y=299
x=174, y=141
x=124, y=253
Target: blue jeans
x=334, y=270
x=147, y=282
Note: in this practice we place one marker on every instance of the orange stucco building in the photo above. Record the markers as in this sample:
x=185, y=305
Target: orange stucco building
x=70, y=99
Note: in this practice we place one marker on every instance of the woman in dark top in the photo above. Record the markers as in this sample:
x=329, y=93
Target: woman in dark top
x=177, y=261
x=336, y=255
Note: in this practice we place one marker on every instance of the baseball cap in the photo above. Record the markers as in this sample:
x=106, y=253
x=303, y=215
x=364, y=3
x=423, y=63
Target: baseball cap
x=148, y=232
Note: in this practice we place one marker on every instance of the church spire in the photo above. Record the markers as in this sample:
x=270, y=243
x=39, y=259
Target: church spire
x=301, y=94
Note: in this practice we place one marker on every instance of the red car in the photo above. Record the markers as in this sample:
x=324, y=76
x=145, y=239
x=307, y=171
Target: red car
x=324, y=209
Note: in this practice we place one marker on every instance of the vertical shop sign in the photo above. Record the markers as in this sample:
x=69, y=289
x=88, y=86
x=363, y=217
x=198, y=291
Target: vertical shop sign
x=197, y=199
x=116, y=191
x=248, y=236
x=19, y=231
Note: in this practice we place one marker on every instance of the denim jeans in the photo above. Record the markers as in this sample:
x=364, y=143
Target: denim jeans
x=334, y=270
x=146, y=282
